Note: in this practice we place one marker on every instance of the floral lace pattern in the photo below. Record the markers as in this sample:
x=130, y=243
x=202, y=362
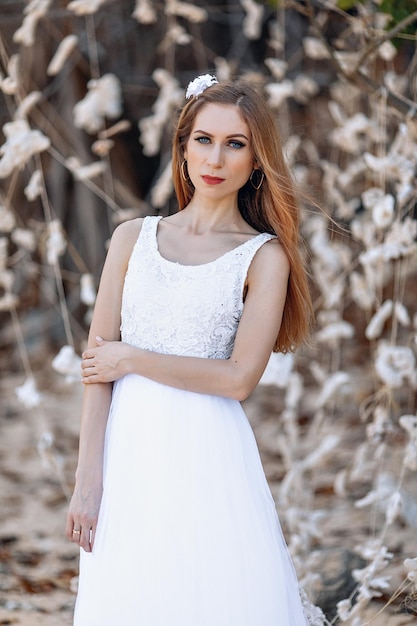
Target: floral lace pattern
x=190, y=310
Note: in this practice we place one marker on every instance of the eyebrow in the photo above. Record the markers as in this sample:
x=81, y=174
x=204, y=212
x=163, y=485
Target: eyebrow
x=204, y=132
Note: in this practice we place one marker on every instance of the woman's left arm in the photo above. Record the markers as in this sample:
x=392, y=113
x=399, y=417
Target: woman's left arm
x=235, y=377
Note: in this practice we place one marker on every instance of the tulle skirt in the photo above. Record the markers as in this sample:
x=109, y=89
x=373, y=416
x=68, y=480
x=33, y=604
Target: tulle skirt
x=188, y=533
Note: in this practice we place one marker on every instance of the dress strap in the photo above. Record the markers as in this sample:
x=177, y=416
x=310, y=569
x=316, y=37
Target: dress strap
x=247, y=253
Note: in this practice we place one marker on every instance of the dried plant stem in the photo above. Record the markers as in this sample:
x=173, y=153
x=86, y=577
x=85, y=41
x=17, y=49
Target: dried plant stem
x=21, y=342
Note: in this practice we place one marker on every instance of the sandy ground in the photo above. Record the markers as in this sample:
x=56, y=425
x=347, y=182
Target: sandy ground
x=38, y=566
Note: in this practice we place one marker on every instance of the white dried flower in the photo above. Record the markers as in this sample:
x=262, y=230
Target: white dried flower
x=24, y=238
x=383, y=211
x=387, y=51
x=315, y=49
x=8, y=301
x=379, y=425
x=186, y=10
x=335, y=332
x=151, y=127
x=27, y=105
x=119, y=127
x=294, y=391
x=10, y=84
x=88, y=290
x=377, y=322
x=34, y=187
x=361, y=291
x=403, y=233
x=21, y=144
x=56, y=243
x=278, y=370
x=7, y=279
x=67, y=362
x=64, y=50
x=304, y=88
x=85, y=7
x=410, y=456
x=401, y=314
x=102, y=100
x=92, y=170
x=178, y=35
x=411, y=567
x=278, y=93
x=144, y=12
x=224, y=69
x=7, y=220
x=28, y=393
x=277, y=67
x=348, y=60
x=197, y=86
x=252, y=23
x=333, y=385
x=394, y=165
x=321, y=452
x=34, y=11
x=409, y=423
x=349, y=137
x=394, y=507
x=344, y=608
x=395, y=365
x=163, y=188
x=102, y=147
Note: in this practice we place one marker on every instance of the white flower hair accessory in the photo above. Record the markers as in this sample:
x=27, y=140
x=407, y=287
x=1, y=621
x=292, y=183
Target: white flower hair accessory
x=200, y=84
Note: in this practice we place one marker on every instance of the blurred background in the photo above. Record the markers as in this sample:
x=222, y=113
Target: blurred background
x=89, y=90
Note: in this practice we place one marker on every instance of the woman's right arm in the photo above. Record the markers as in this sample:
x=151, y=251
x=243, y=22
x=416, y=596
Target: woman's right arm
x=86, y=499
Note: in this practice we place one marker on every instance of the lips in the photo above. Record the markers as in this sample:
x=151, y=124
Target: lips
x=212, y=180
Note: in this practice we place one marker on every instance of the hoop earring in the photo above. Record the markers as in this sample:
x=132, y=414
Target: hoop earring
x=258, y=186
x=182, y=170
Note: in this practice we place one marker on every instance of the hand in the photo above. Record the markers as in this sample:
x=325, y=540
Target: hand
x=105, y=363
x=83, y=514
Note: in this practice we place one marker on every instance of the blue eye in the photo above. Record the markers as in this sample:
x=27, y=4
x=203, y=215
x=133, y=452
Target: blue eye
x=236, y=144
x=203, y=139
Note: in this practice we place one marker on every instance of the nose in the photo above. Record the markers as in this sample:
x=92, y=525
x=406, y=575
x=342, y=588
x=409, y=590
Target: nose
x=215, y=156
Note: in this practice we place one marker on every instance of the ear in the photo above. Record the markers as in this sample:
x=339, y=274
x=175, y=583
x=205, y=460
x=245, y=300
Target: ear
x=184, y=154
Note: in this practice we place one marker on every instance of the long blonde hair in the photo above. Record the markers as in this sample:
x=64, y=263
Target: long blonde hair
x=273, y=208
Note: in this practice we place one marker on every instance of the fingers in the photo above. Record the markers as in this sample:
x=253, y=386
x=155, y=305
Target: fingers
x=81, y=534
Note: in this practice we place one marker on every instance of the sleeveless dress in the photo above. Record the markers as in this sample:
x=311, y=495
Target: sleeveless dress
x=188, y=533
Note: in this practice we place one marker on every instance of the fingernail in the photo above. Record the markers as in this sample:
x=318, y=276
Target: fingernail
x=99, y=338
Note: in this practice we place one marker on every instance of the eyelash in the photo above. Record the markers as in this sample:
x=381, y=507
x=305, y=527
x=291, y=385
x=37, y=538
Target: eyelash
x=234, y=143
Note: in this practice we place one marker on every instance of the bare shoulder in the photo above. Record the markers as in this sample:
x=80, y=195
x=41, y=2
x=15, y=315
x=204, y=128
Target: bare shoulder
x=128, y=232
x=270, y=261
x=125, y=236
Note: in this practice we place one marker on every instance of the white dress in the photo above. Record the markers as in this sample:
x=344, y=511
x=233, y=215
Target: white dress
x=188, y=533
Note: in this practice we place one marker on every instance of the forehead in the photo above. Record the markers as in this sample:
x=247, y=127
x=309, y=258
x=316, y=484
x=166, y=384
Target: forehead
x=221, y=118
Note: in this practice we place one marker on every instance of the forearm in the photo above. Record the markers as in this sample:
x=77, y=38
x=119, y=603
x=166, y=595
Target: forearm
x=223, y=377
x=96, y=405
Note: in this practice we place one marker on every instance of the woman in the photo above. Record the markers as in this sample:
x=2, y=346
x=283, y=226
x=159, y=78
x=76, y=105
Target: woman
x=171, y=505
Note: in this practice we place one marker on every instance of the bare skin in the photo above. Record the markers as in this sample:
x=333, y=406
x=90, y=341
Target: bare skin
x=219, y=149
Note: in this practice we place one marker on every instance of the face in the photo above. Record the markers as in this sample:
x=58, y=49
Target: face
x=219, y=151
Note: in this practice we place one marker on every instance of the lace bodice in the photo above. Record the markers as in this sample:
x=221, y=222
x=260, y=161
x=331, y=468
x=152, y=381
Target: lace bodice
x=191, y=310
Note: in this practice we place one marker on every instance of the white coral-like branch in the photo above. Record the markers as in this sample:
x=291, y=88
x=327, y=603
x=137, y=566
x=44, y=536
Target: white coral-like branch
x=64, y=50
x=85, y=7
x=102, y=100
x=21, y=144
x=34, y=11
x=252, y=24
x=144, y=12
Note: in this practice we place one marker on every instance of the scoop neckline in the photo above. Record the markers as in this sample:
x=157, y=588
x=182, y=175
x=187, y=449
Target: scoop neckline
x=207, y=263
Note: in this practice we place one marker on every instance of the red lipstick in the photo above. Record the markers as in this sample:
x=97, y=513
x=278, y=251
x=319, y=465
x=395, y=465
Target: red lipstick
x=212, y=180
